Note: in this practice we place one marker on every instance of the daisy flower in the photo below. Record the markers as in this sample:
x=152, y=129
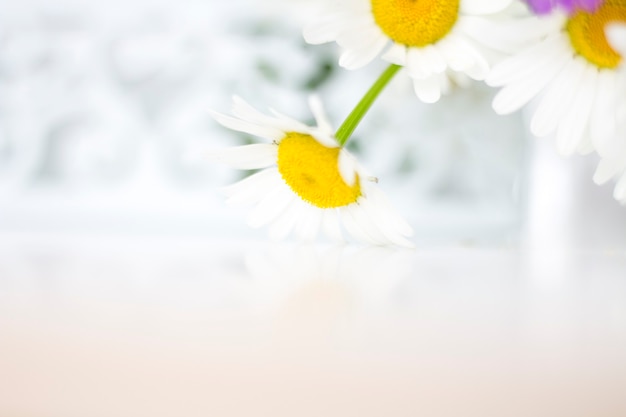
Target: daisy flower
x=433, y=39
x=308, y=182
x=573, y=72
x=614, y=165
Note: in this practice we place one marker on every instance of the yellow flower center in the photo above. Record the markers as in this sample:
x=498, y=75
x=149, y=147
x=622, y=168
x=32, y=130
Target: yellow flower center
x=586, y=32
x=311, y=170
x=415, y=22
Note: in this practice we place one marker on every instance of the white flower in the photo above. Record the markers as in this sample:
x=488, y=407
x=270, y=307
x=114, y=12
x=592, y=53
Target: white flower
x=573, y=72
x=614, y=164
x=308, y=182
x=433, y=39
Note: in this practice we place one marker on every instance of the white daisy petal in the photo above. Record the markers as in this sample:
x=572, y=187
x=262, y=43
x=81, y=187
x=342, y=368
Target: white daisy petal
x=454, y=50
x=484, y=6
x=551, y=109
x=356, y=58
x=325, y=139
x=246, y=157
x=245, y=126
x=480, y=69
x=528, y=62
x=384, y=210
x=288, y=124
x=616, y=35
x=428, y=89
x=585, y=146
x=331, y=27
x=320, y=114
x=255, y=180
x=353, y=226
x=396, y=54
x=434, y=59
x=272, y=205
x=368, y=224
x=572, y=127
x=357, y=6
x=250, y=190
x=445, y=82
x=347, y=167
x=353, y=25
x=245, y=111
x=508, y=35
x=322, y=31
x=515, y=95
x=358, y=30
x=417, y=64
x=390, y=235
x=330, y=225
x=620, y=189
x=607, y=169
x=311, y=186
x=283, y=226
x=309, y=223
x=603, y=123
x=362, y=36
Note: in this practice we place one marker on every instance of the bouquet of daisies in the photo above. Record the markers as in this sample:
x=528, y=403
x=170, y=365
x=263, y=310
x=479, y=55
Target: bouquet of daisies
x=565, y=56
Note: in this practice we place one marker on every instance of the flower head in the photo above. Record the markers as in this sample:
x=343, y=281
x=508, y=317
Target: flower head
x=573, y=72
x=433, y=39
x=546, y=6
x=308, y=182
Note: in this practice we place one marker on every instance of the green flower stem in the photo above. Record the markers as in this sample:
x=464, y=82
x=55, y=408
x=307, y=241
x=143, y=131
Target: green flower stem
x=354, y=118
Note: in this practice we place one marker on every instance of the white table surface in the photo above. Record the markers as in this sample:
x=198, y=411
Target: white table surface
x=155, y=326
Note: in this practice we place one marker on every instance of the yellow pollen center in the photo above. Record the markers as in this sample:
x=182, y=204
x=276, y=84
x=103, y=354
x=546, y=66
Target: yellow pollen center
x=311, y=170
x=586, y=33
x=415, y=22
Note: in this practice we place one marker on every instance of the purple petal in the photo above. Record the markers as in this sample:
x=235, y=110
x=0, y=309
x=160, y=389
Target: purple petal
x=589, y=5
x=567, y=5
x=541, y=6
x=570, y=6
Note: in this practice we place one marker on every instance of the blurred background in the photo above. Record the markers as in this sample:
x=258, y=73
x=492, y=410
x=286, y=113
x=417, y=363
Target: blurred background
x=127, y=287
x=103, y=120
